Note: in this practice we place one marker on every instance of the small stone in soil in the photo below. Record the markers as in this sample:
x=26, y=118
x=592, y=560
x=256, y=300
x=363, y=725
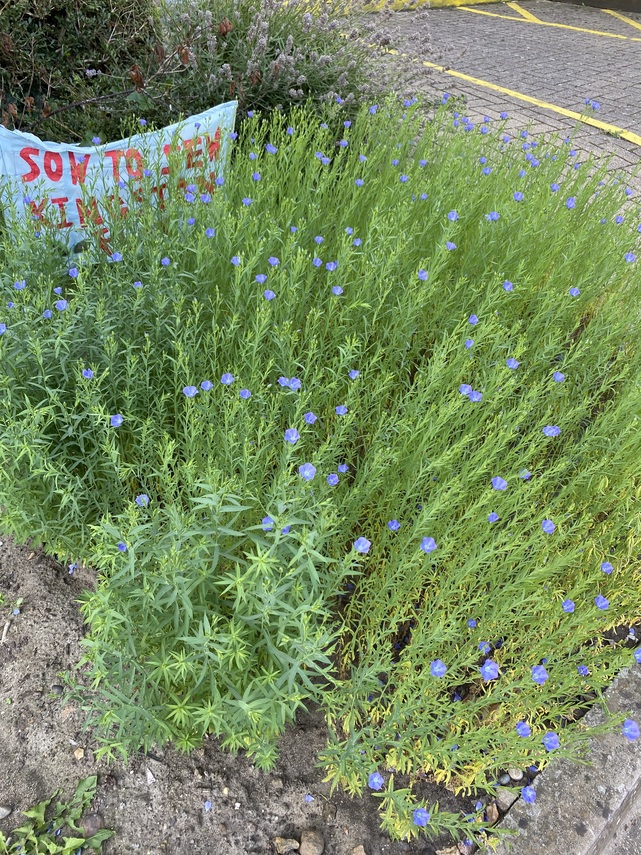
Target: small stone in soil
x=282, y=845
x=504, y=780
x=312, y=842
x=515, y=774
x=5, y=810
x=57, y=689
x=359, y=850
x=92, y=824
x=492, y=813
x=467, y=848
x=505, y=798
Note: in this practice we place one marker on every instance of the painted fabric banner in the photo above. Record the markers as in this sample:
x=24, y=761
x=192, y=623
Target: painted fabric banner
x=64, y=187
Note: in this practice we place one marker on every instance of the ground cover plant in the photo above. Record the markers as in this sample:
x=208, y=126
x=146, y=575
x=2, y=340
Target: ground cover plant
x=57, y=829
x=361, y=426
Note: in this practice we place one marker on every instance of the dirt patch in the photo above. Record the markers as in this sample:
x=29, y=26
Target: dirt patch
x=156, y=804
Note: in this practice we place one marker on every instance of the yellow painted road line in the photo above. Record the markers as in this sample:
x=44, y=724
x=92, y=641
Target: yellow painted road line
x=622, y=18
x=524, y=13
x=550, y=24
x=570, y=114
x=409, y=5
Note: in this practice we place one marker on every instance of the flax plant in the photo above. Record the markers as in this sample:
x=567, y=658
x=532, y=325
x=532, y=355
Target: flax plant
x=359, y=426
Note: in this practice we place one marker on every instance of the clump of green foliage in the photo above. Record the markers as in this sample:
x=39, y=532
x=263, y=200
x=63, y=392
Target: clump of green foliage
x=55, y=831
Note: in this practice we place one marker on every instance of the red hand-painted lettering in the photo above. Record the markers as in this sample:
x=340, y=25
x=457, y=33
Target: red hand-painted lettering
x=78, y=170
x=27, y=154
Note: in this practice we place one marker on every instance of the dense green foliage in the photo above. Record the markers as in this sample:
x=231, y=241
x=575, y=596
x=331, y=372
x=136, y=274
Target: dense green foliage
x=420, y=323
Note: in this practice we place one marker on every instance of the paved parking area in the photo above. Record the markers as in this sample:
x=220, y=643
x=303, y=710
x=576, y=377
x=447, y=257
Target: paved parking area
x=538, y=60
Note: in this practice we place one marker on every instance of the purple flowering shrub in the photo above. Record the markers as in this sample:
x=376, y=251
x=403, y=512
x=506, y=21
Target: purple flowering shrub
x=432, y=443
x=266, y=53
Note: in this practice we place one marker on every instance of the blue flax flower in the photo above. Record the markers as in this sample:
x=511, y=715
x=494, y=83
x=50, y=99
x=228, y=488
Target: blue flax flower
x=607, y=567
x=473, y=319
x=523, y=729
x=551, y=741
x=337, y=290
x=574, y=292
x=450, y=245
x=353, y=374
x=341, y=410
x=529, y=795
x=539, y=674
x=493, y=517
x=438, y=668
x=508, y=286
x=310, y=418
x=471, y=623
x=468, y=343
x=362, y=544
x=558, y=377
x=601, y=602
x=268, y=294
x=261, y=278
x=568, y=606
x=307, y=471
x=548, y=526
x=630, y=730
x=206, y=385
x=421, y=817
x=570, y=202
x=268, y=524
x=492, y=216
x=227, y=379
x=484, y=647
x=332, y=479
x=475, y=396
x=393, y=525
x=292, y=435
x=551, y=430
x=453, y=215
x=375, y=781
x=343, y=468
x=190, y=391
x=428, y=544
x=583, y=670
x=512, y=363
x=498, y=483
x=245, y=394
x=422, y=274
x=489, y=670
x=122, y=546
x=142, y=500
x=116, y=420
x=87, y=372
x=518, y=196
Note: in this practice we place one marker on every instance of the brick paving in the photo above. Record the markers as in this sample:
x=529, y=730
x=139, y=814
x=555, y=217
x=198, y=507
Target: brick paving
x=560, y=66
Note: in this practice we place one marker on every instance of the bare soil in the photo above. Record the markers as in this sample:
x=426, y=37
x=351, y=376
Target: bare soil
x=156, y=804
